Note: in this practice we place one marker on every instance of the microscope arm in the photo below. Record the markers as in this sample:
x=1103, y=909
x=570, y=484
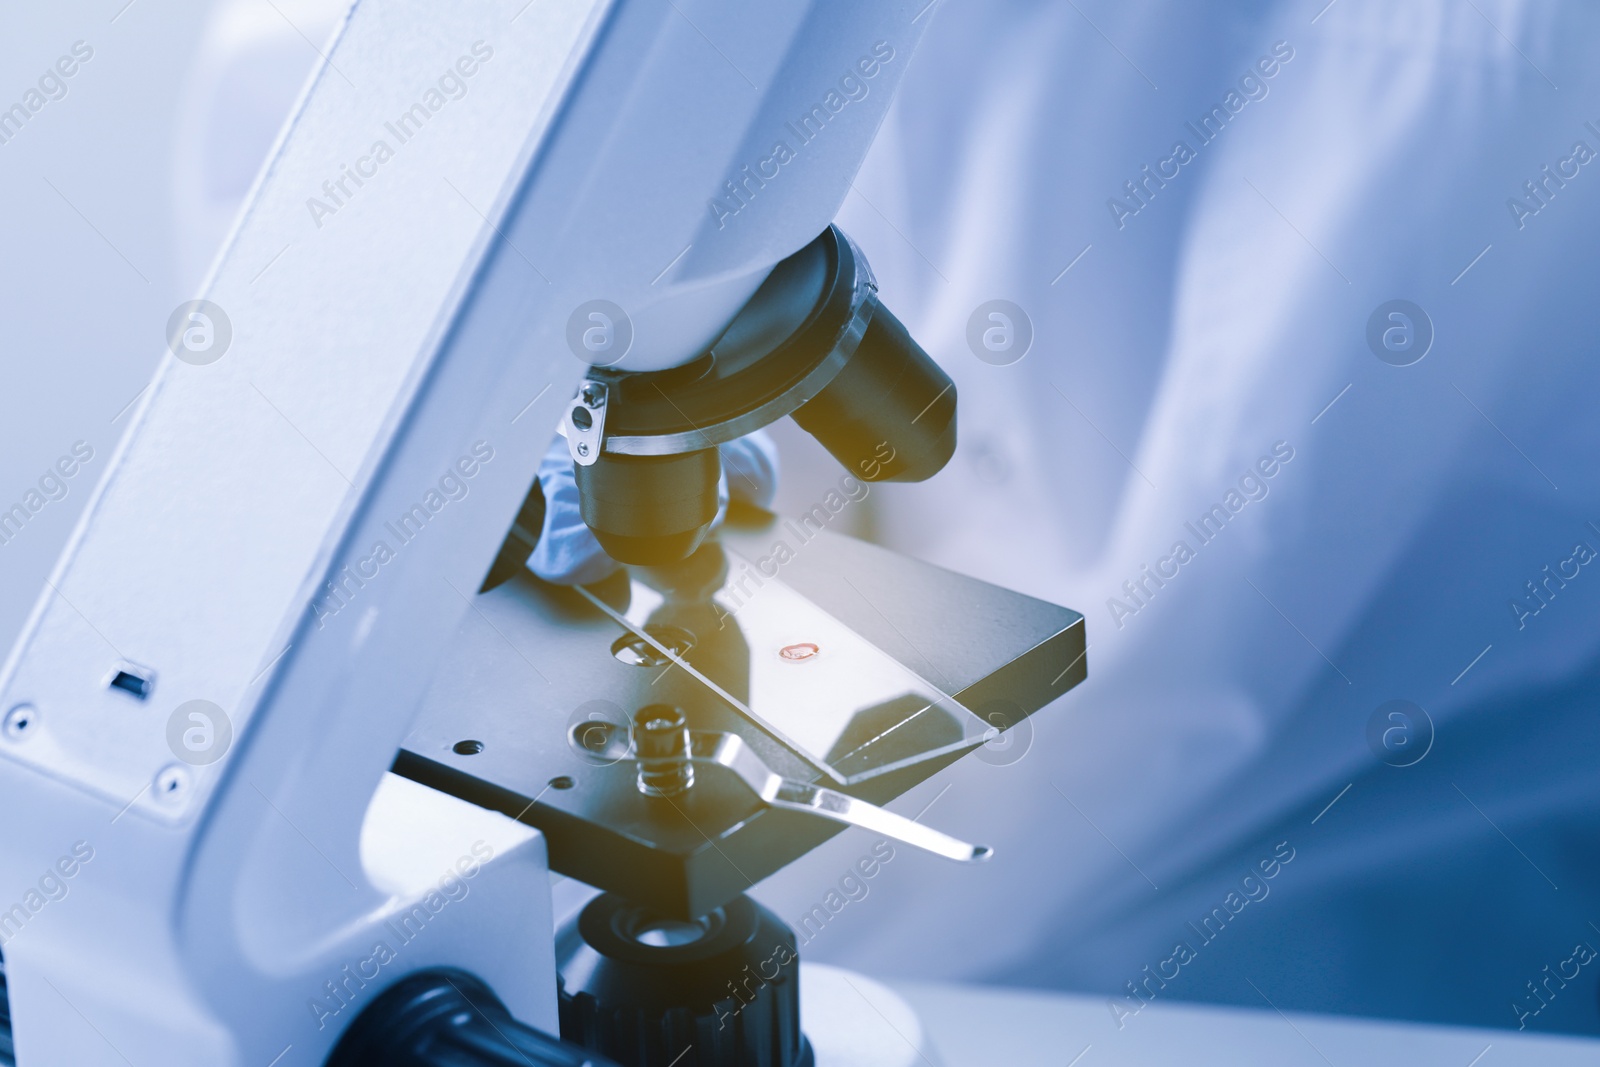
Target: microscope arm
x=230, y=559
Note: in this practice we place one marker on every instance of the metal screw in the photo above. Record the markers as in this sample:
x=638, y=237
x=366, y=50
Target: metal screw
x=583, y=448
x=20, y=721
x=661, y=738
x=172, y=784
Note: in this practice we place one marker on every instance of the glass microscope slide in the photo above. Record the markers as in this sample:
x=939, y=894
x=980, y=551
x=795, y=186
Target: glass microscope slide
x=816, y=684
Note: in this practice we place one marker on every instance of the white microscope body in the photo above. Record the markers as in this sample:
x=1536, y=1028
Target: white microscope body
x=193, y=739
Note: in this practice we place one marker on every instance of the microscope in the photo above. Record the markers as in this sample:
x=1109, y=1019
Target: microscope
x=295, y=743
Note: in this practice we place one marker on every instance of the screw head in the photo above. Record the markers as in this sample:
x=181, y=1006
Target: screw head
x=583, y=448
x=172, y=784
x=21, y=721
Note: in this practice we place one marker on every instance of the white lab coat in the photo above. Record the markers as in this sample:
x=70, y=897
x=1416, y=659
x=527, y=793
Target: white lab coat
x=1216, y=323
x=1175, y=348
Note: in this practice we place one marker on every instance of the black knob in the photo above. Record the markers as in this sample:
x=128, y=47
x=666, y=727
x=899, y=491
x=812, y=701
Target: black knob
x=650, y=991
x=448, y=1018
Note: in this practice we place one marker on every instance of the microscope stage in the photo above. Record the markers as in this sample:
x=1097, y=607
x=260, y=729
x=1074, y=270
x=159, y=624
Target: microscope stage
x=532, y=664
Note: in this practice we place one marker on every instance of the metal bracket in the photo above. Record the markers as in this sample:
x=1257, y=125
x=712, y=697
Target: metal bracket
x=729, y=750
x=585, y=422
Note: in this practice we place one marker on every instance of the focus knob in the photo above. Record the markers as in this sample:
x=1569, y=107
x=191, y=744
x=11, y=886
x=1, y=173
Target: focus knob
x=448, y=1018
x=648, y=991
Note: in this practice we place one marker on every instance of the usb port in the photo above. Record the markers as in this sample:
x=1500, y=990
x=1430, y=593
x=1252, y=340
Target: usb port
x=134, y=684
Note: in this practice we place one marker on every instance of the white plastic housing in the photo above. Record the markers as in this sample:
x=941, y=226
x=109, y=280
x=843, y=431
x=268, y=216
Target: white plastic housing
x=379, y=350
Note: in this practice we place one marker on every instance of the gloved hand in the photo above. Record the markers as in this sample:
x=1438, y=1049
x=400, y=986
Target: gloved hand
x=568, y=553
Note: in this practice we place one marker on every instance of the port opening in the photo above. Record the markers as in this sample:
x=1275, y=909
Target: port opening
x=135, y=683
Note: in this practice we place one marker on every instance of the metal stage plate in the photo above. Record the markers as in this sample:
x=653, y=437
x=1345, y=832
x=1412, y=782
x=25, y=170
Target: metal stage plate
x=533, y=660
